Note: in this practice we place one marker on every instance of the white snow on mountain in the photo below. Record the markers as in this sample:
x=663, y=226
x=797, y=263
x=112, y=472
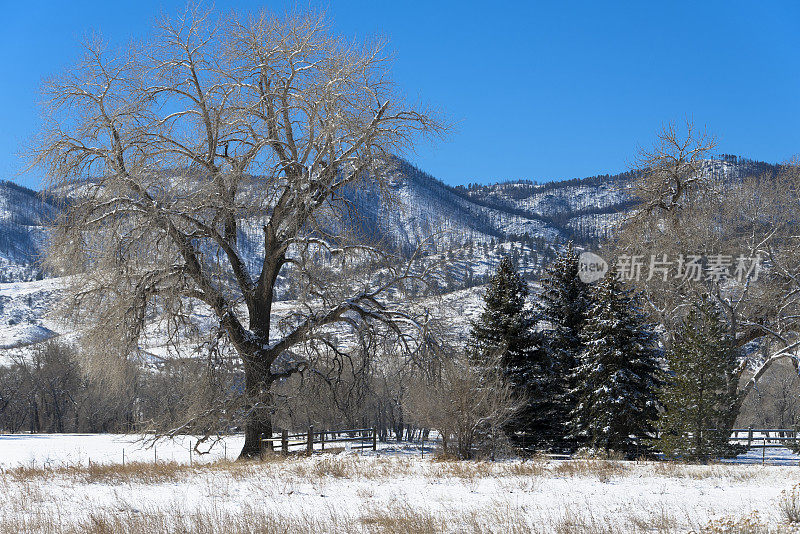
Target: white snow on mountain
x=469, y=229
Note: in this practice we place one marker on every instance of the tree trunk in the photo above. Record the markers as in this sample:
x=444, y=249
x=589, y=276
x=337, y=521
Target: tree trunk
x=258, y=378
x=258, y=424
x=254, y=429
x=34, y=416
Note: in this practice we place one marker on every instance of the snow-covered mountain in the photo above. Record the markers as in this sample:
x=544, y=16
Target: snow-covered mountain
x=24, y=214
x=473, y=227
x=578, y=209
x=423, y=207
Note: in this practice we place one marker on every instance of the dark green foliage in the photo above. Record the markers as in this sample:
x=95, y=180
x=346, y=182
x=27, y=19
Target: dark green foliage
x=505, y=330
x=561, y=314
x=617, y=378
x=696, y=396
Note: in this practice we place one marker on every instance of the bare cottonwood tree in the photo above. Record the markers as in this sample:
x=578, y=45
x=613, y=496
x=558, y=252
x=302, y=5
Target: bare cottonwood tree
x=205, y=163
x=673, y=167
x=765, y=211
x=672, y=187
x=691, y=205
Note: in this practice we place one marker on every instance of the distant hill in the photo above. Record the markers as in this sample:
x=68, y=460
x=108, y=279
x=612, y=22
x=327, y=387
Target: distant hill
x=539, y=215
x=24, y=214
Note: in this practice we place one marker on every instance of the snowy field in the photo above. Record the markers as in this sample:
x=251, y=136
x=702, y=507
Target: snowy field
x=57, y=450
x=48, y=485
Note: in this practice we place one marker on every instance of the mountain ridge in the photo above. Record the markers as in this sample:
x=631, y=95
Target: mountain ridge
x=579, y=209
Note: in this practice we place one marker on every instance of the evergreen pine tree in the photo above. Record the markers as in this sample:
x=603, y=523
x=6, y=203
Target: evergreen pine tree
x=697, y=400
x=617, y=379
x=561, y=314
x=506, y=327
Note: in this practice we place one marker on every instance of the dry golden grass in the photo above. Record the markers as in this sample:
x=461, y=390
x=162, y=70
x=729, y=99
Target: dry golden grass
x=461, y=469
x=751, y=523
x=603, y=470
x=246, y=521
x=401, y=518
x=790, y=504
x=345, y=467
x=525, y=468
x=395, y=518
x=142, y=472
x=33, y=497
x=151, y=473
x=333, y=466
x=675, y=469
x=370, y=468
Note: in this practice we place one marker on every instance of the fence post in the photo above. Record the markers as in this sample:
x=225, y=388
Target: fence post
x=749, y=436
x=322, y=440
x=764, y=452
x=374, y=440
x=310, y=443
x=285, y=441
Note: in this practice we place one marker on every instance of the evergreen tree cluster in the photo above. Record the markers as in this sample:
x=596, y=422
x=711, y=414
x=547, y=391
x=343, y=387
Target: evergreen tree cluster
x=584, y=358
x=505, y=334
x=586, y=362
x=616, y=379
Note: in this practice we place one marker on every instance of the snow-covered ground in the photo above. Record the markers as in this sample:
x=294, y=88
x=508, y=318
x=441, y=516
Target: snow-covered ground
x=394, y=490
x=76, y=449
x=768, y=456
x=54, y=450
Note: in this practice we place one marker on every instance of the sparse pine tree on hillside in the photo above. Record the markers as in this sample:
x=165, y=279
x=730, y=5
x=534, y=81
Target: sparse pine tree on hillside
x=506, y=326
x=561, y=314
x=617, y=379
x=697, y=399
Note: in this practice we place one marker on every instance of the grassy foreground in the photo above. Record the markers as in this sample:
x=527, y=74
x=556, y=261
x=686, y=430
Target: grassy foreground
x=397, y=494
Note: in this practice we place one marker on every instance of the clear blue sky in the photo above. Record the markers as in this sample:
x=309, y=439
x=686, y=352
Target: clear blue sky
x=543, y=91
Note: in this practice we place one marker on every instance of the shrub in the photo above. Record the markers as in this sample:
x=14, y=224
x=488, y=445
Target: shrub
x=790, y=504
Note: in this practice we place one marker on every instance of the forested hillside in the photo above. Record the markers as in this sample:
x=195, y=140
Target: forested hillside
x=537, y=215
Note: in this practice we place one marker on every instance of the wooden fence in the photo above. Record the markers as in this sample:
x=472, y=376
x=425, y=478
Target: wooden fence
x=365, y=438
x=764, y=437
